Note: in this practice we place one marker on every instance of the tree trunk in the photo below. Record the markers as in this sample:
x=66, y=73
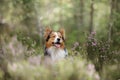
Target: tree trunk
x=81, y=12
x=61, y=14
x=91, y=16
x=110, y=25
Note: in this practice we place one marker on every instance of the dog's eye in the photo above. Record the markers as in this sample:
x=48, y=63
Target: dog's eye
x=53, y=36
x=60, y=36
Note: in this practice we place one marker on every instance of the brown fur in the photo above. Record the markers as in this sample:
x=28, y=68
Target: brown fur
x=62, y=31
x=61, y=34
x=47, y=32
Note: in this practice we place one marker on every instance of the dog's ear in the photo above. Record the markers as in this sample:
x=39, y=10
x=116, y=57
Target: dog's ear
x=62, y=31
x=47, y=32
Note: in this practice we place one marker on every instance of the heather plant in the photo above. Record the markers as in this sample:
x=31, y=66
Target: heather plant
x=22, y=24
x=78, y=50
x=18, y=68
x=103, y=55
x=98, y=51
x=73, y=68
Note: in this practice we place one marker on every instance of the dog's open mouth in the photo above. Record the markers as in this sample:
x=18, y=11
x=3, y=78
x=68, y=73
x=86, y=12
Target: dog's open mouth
x=57, y=44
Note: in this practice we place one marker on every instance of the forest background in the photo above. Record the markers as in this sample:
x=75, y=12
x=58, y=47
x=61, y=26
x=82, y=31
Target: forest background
x=92, y=39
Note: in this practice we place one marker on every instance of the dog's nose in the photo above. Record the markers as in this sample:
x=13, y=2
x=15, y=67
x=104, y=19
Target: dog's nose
x=58, y=39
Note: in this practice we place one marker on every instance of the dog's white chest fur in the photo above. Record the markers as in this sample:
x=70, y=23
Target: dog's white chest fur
x=56, y=53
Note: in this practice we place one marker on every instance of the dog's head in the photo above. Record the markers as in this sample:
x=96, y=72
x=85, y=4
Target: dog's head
x=54, y=38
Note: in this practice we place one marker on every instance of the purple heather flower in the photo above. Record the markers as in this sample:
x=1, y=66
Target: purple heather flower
x=94, y=43
x=93, y=33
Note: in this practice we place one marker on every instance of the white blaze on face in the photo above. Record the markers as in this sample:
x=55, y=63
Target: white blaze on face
x=56, y=37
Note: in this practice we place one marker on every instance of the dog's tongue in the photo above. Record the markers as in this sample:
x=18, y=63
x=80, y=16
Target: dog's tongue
x=57, y=45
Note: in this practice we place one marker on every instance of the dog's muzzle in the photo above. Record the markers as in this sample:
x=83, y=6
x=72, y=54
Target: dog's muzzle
x=57, y=44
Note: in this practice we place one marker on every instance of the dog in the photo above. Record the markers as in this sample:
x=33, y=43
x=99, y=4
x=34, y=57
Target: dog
x=55, y=44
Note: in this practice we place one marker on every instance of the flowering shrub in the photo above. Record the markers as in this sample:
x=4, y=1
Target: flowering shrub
x=103, y=55
x=19, y=67
x=78, y=50
x=98, y=51
x=20, y=59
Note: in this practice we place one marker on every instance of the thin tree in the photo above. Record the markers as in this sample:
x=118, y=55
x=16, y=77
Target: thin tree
x=81, y=12
x=110, y=25
x=78, y=13
x=91, y=16
x=61, y=13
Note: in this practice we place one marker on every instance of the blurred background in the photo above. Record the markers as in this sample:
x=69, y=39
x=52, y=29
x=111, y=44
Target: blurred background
x=92, y=38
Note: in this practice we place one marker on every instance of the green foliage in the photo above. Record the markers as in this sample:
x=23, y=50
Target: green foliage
x=21, y=37
x=116, y=30
x=98, y=51
x=112, y=72
x=32, y=42
x=70, y=69
x=1, y=74
x=102, y=54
